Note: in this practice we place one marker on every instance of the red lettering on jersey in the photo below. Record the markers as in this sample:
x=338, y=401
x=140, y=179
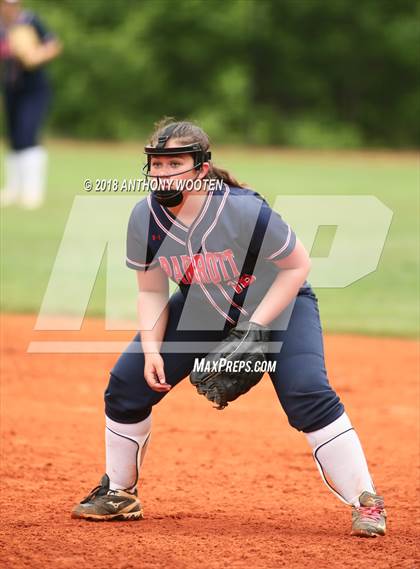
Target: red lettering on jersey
x=208, y=268
x=242, y=283
x=236, y=287
x=212, y=269
x=176, y=268
x=228, y=255
x=188, y=269
x=246, y=280
x=164, y=263
x=201, y=268
x=220, y=260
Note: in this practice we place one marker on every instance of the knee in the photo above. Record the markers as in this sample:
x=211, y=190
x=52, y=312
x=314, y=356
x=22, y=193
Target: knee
x=21, y=142
x=310, y=403
x=121, y=415
x=122, y=405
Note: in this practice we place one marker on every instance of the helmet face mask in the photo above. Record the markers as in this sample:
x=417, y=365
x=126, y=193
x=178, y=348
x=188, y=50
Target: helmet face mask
x=171, y=197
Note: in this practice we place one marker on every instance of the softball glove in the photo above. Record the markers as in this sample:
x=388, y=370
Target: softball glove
x=234, y=366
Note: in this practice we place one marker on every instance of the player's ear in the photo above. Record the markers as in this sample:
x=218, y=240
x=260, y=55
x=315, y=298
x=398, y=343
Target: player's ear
x=204, y=170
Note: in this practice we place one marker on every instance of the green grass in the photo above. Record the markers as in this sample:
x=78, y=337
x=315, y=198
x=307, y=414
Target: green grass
x=382, y=303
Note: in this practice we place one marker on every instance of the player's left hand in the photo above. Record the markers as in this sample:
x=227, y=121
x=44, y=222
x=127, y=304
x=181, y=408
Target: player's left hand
x=233, y=367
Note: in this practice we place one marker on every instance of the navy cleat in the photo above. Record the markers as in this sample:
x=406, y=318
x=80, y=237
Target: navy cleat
x=103, y=504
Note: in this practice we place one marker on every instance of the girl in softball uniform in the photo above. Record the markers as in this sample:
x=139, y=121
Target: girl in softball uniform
x=25, y=47
x=234, y=261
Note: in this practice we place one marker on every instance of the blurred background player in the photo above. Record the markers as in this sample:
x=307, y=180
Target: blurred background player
x=25, y=47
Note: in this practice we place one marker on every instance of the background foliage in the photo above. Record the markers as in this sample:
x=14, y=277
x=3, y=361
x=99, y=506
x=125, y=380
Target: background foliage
x=302, y=73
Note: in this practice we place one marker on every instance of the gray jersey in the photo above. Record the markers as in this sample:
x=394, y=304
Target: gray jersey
x=223, y=262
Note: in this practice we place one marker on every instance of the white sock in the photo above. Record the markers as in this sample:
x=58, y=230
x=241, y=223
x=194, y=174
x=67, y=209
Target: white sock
x=12, y=179
x=33, y=168
x=126, y=445
x=340, y=460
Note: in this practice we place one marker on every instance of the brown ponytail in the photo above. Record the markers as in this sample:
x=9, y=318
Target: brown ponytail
x=186, y=132
x=224, y=175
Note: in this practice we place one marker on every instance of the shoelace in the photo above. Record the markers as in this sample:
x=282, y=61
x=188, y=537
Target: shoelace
x=371, y=513
x=92, y=493
x=95, y=492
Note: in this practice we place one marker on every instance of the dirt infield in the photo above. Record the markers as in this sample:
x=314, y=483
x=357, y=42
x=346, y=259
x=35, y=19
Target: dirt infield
x=235, y=489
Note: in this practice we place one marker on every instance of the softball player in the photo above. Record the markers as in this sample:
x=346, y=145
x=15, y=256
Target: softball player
x=25, y=46
x=234, y=261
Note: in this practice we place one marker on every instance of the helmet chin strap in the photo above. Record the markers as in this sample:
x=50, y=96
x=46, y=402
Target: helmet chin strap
x=170, y=198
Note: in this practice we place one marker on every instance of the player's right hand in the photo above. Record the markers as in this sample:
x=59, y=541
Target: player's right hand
x=154, y=373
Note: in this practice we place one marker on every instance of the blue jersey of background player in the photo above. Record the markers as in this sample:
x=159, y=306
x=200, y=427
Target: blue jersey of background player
x=15, y=77
x=27, y=96
x=232, y=258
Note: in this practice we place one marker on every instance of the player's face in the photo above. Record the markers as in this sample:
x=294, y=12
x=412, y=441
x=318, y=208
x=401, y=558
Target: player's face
x=178, y=167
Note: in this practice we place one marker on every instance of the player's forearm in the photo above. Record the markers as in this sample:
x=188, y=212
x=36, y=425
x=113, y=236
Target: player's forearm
x=283, y=290
x=43, y=53
x=153, y=312
x=51, y=50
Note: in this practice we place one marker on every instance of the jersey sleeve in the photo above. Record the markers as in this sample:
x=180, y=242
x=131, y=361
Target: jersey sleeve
x=139, y=254
x=273, y=238
x=43, y=33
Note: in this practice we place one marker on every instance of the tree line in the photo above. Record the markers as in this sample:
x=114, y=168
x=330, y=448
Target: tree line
x=280, y=72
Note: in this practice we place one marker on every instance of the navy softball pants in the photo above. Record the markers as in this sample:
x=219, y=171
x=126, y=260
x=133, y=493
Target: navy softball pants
x=25, y=113
x=300, y=379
